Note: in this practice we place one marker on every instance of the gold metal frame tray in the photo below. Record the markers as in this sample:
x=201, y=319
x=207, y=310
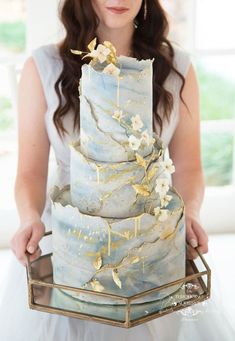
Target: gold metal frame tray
x=47, y=296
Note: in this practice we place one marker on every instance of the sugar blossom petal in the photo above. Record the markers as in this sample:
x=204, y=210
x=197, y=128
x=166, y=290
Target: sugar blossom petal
x=145, y=137
x=134, y=143
x=111, y=69
x=168, y=166
x=162, y=186
x=137, y=123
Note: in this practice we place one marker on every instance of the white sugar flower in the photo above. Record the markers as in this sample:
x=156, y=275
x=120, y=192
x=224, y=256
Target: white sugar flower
x=118, y=115
x=165, y=200
x=156, y=211
x=162, y=186
x=137, y=124
x=145, y=137
x=101, y=53
x=162, y=215
x=168, y=166
x=134, y=143
x=111, y=69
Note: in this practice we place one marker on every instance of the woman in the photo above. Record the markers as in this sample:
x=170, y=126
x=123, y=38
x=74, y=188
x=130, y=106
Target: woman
x=146, y=41
x=48, y=118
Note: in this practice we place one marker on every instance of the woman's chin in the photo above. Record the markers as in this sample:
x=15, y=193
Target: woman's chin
x=116, y=24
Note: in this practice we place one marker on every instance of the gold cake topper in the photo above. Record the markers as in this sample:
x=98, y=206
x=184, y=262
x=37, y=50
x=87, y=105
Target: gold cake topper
x=105, y=52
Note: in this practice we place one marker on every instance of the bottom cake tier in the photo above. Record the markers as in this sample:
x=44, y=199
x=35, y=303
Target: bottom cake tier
x=118, y=256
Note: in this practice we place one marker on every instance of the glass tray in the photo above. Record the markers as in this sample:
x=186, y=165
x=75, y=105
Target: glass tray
x=47, y=296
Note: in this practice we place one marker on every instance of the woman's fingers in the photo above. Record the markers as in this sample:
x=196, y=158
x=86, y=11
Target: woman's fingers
x=191, y=253
x=196, y=237
x=191, y=237
x=18, y=246
x=26, y=240
x=202, y=238
x=192, y=241
x=36, y=236
x=35, y=255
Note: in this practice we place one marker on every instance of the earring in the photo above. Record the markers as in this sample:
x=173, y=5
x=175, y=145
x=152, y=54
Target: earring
x=145, y=9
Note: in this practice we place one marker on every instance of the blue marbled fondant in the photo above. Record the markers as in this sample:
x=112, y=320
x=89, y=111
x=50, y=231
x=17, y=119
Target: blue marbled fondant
x=91, y=181
x=102, y=137
x=78, y=239
x=106, y=236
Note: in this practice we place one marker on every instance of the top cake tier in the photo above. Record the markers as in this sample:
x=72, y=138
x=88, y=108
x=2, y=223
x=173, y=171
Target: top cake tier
x=116, y=109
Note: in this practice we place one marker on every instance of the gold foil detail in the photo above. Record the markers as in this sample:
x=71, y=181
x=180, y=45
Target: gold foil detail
x=135, y=259
x=97, y=262
x=96, y=285
x=137, y=225
x=116, y=278
x=98, y=167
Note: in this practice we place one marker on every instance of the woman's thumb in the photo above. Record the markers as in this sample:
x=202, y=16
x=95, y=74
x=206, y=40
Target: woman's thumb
x=34, y=240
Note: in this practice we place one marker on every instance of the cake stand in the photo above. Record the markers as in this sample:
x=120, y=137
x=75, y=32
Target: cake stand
x=46, y=295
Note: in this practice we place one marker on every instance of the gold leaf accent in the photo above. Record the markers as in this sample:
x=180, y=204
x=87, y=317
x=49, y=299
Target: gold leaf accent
x=142, y=190
x=140, y=160
x=152, y=172
x=92, y=45
x=111, y=58
x=76, y=52
x=116, y=278
x=97, y=262
x=135, y=259
x=96, y=285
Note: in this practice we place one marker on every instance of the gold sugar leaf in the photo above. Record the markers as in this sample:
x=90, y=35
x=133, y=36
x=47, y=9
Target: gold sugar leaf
x=135, y=259
x=140, y=160
x=116, y=278
x=92, y=45
x=96, y=285
x=151, y=173
x=88, y=56
x=142, y=190
x=76, y=52
x=97, y=262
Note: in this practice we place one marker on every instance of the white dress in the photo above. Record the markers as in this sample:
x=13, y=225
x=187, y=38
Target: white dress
x=19, y=323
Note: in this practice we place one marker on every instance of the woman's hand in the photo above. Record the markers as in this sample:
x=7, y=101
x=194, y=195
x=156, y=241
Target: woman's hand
x=26, y=239
x=195, y=235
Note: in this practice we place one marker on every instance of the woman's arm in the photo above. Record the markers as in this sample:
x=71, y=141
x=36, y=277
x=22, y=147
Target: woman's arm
x=33, y=154
x=185, y=152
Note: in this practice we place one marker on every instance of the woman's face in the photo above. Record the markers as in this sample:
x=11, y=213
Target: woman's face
x=110, y=14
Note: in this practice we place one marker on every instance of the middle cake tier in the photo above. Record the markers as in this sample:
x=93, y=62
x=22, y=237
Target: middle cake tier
x=119, y=190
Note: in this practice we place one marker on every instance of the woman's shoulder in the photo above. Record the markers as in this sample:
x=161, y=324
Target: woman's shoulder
x=46, y=51
x=181, y=59
x=49, y=65
x=47, y=60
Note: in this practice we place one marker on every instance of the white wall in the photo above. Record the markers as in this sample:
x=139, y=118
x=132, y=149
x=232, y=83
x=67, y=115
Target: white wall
x=43, y=25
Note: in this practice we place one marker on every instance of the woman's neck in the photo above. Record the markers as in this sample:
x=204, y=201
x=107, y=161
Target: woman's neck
x=123, y=45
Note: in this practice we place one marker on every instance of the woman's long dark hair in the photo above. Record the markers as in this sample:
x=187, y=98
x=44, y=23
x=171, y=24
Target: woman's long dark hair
x=149, y=41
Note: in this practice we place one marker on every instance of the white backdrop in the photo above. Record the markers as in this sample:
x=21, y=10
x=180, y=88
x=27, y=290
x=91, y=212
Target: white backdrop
x=43, y=25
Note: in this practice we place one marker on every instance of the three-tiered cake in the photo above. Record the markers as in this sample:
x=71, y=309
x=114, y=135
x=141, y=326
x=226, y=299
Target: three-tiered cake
x=118, y=227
